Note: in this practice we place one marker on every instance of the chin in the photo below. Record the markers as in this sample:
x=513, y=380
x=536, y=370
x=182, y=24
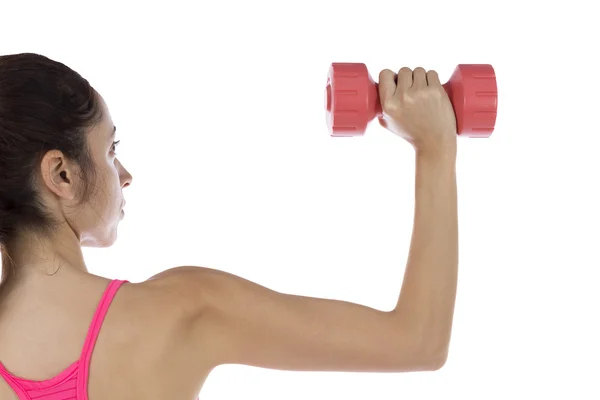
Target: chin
x=100, y=241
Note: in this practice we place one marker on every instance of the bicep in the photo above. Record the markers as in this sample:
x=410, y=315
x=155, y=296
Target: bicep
x=242, y=322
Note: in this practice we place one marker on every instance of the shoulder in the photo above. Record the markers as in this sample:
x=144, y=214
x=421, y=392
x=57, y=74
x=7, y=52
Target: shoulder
x=158, y=309
x=165, y=310
x=173, y=294
x=155, y=322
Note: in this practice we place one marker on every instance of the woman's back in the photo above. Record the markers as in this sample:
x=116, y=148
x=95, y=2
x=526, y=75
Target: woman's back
x=138, y=354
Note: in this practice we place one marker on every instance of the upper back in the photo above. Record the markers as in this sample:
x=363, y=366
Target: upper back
x=43, y=334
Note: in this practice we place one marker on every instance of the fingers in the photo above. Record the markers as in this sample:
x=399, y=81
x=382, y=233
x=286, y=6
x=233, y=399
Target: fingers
x=419, y=78
x=433, y=79
x=405, y=78
x=387, y=85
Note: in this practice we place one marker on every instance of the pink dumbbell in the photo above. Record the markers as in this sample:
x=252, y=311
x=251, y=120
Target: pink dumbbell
x=352, y=99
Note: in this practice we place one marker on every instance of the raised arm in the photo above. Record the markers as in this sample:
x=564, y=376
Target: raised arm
x=230, y=320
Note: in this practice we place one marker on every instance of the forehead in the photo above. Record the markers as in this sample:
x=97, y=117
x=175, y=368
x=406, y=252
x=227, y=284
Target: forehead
x=105, y=129
x=106, y=117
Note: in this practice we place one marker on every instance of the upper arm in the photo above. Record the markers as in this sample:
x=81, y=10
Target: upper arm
x=235, y=321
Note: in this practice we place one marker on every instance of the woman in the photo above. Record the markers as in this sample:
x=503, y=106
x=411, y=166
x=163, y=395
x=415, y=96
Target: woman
x=66, y=331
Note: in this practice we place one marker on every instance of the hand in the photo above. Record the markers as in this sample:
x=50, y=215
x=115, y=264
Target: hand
x=416, y=108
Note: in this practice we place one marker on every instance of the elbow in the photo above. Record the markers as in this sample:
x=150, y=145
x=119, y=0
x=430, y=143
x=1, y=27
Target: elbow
x=437, y=363
x=434, y=357
x=435, y=353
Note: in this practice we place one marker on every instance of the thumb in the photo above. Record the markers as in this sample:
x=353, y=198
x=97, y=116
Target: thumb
x=387, y=85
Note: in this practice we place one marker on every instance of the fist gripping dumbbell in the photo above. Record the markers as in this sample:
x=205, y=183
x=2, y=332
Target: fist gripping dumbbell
x=352, y=99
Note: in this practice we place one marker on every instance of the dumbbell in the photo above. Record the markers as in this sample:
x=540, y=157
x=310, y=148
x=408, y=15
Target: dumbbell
x=352, y=99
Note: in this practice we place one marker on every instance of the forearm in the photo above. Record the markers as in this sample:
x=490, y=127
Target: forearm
x=427, y=298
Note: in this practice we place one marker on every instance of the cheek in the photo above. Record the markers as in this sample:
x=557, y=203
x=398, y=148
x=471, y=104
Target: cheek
x=114, y=185
x=110, y=187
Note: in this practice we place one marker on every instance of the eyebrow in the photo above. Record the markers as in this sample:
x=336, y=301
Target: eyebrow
x=113, y=132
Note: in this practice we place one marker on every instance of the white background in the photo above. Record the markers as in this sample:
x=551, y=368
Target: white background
x=220, y=109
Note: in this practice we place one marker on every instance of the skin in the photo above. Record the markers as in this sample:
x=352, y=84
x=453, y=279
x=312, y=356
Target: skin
x=162, y=337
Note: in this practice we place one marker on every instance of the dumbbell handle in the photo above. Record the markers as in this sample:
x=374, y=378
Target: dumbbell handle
x=352, y=99
x=377, y=109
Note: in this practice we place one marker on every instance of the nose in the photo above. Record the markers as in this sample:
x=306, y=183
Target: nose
x=126, y=178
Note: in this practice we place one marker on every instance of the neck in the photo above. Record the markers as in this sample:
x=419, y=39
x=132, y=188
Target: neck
x=29, y=257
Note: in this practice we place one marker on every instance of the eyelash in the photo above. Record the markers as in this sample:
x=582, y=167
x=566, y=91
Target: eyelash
x=114, y=146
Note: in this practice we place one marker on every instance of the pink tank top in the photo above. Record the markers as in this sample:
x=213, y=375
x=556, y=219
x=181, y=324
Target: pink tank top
x=71, y=383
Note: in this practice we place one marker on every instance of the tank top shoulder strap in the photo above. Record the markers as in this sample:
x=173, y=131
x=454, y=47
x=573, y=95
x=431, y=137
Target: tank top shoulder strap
x=94, y=331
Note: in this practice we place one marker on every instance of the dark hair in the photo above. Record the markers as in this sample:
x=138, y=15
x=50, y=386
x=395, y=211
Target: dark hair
x=44, y=105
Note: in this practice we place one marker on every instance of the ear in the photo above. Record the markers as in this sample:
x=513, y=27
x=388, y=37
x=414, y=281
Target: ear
x=58, y=174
